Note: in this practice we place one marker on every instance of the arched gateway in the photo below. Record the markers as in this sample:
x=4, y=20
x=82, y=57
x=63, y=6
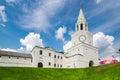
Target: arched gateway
x=40, y=65
x=91, y=63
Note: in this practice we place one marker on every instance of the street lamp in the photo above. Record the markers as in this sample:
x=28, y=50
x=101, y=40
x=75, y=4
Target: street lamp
x=119, y=54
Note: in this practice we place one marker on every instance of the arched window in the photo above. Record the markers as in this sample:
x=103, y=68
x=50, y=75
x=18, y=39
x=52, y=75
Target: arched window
x=81, y=26
x=54, y=56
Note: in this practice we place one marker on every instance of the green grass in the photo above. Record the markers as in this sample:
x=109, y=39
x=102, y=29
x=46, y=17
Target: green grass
x=105, y=72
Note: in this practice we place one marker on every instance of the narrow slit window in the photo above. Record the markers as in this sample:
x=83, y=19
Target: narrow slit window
x=40, y=52
x=77, y=27
x=81, y=26
x=49, y=54
x=49, y=63
x=54, y=65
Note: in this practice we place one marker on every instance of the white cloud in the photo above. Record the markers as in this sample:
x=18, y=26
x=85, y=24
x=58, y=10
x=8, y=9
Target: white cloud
x=67, y=46
x=3, y=17
x=38, y=18
x=60, y=33
x=22, y=49
x=108, y=7
x=8, y=49
x=71, y=32
x=31, y=40
x=10, y=1
x=98, y=1
x=104, y=44
x=2, y=25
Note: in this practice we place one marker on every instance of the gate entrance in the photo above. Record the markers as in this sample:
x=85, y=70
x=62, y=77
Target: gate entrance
x=40, y=65
x=91, y=63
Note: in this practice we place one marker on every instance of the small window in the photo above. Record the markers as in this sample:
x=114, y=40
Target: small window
x=81, y=26
x=58, y=57
x=49, y=63
x=9, y=57
x=54, y=56
x=61, y=66
x=40, y=52
x=58, y=65
x=54, y=65
x=61, y=57
x=49, y=54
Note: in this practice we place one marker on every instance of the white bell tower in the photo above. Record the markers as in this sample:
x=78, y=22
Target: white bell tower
x=82, y=35
x=82, y=53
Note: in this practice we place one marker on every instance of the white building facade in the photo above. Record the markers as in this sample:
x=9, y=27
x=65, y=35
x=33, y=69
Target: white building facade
x=81, y=54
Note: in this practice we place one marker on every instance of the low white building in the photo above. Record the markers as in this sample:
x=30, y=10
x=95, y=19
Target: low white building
x=8, y=58
x=81, y=54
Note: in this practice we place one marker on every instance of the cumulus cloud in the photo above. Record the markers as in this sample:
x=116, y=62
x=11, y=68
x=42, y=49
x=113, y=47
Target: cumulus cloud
x=60, y=33
x=3, y=17
x=67, y=46
x=22, y=49
x=38, y=18
x=104, y=44
x=31, y=40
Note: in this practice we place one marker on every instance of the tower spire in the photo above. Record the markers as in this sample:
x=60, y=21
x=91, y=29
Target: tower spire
x=81, y=24
x=81, y=16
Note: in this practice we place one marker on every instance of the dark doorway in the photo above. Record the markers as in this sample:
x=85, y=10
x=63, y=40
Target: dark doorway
x=81, y=26
x=40, y=65
x=91, y=63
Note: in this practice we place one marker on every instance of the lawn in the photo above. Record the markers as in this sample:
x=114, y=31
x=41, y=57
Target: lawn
x=104, y=72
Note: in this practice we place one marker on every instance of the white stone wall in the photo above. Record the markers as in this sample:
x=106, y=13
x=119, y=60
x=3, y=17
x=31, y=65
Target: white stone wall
x=15, y=61
x=80, y=56
x=91, y=53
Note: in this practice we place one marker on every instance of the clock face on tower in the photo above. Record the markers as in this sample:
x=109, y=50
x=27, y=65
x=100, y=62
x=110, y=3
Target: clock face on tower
x=82, y=38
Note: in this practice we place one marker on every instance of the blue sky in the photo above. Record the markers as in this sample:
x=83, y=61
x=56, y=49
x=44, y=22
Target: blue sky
x=25, y=23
